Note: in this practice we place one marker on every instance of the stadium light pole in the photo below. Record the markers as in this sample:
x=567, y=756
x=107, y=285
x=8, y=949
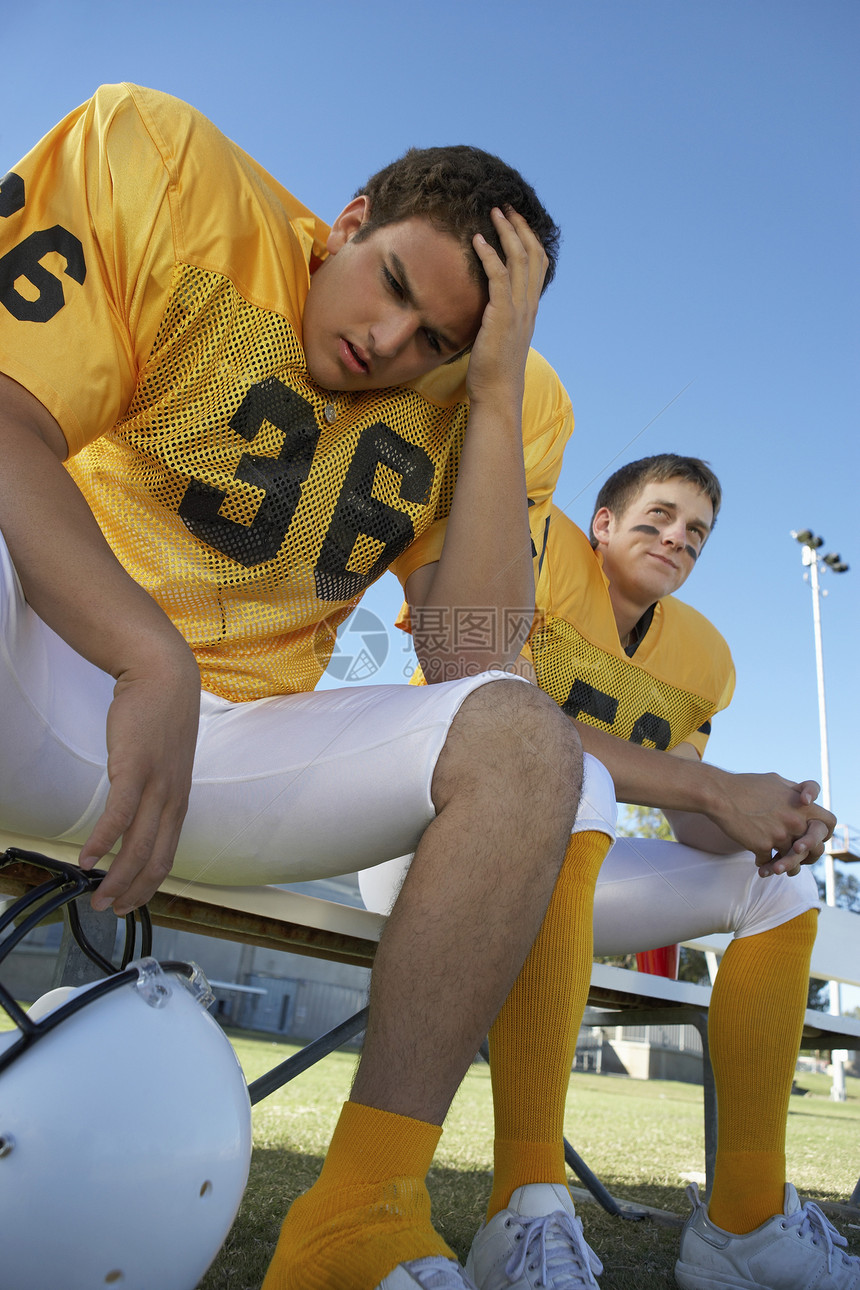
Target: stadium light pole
x=812, y=544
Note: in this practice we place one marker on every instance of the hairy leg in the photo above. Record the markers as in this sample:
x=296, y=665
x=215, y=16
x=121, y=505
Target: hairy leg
x=505, y=789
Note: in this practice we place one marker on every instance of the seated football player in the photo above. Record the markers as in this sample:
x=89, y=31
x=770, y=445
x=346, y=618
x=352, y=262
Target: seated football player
x=641, y=675
x=221, y=420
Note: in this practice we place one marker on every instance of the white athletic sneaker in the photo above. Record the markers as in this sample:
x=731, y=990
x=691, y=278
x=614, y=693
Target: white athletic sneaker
x=432, y=1273
x=537, y=1241
x=799, y=1249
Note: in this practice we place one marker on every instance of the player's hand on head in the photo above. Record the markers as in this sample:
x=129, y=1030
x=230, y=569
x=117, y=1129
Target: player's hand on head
x=151, y=740
x=498, y=356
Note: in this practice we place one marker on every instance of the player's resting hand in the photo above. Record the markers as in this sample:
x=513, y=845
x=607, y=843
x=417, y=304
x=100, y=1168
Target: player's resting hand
x=73, y=580
x=151, y=738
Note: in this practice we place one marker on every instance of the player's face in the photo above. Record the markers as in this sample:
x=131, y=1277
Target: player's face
x=650, y=548
x=387, y=309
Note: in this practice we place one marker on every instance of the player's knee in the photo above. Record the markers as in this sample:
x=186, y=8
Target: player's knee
x=772, y=902
x=509, y=737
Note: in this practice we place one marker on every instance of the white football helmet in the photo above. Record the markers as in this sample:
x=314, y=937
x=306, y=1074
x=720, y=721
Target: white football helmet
x=125, y=1129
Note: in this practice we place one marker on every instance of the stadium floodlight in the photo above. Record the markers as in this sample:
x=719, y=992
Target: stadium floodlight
x=811, y=544
x=806, y=537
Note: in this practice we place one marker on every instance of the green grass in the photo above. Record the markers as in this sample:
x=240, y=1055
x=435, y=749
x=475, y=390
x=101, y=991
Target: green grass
x=643, y=1139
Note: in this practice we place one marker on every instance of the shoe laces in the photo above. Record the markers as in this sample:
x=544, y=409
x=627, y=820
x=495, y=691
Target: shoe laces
x=813, y=1222
x=551, y=1240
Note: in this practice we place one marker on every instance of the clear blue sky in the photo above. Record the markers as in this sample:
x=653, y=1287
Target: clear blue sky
x=701, y=158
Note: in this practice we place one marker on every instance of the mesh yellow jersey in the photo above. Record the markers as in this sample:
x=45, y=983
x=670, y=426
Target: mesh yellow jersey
x=152, y=284
x=665, y=694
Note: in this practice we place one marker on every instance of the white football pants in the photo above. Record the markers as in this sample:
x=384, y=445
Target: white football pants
x=285, y=789
x=651, y=892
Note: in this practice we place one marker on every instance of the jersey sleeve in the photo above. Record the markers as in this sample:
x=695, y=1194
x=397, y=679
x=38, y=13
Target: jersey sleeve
x=85, y=236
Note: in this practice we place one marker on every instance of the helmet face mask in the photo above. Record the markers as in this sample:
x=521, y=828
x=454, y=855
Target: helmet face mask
x=19, y=919
x=123, y=1101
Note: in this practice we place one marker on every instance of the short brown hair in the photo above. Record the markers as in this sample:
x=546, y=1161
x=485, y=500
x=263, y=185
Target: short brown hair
x=455, y=188
x=625, y=484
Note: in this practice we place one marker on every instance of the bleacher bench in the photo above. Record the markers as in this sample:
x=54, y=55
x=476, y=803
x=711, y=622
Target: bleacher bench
x=303, y=924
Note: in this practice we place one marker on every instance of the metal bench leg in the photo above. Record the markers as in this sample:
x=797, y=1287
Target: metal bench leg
x=307, y=1056
x=73, y=966
x=710, y=1109
x=700, y=1021
x=688, y=1015
x=590, y=1180
x=327, y=1043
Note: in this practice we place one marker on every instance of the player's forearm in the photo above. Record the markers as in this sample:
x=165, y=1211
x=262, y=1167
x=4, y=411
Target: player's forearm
x=481, y=593
x=485, y=567
x=68, y=572
x=648, y=777
x=700, y=832
x=714, y=809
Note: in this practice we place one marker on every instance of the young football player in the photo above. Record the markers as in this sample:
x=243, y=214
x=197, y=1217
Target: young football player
x=221, y=420
x=641, y=675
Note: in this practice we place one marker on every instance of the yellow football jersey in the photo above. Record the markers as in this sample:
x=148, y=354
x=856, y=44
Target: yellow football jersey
x=680, y=675
x=152, y=284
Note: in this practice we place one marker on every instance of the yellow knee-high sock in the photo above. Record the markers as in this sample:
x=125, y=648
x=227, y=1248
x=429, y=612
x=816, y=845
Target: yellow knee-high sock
x=754, y=1029
x=368, y=1211
x=533, y=1039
